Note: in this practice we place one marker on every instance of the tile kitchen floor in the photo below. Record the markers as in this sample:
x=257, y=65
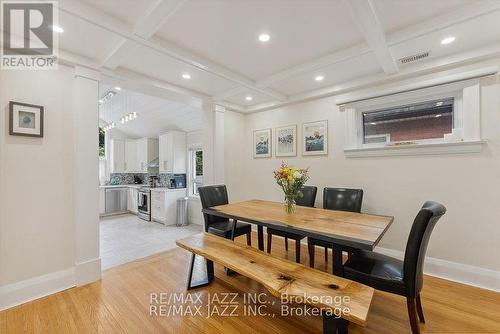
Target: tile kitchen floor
x=126, y=238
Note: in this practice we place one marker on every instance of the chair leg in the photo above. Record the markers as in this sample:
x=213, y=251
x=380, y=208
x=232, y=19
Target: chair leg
x=420, y=310
x=412, y=314
x=310, y=247
x=286, y=244
x=269, y=240
x=249, y=239
x=297, y=251
x=326, y=254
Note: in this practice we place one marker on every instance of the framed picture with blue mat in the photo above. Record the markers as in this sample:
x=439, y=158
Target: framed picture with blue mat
x=25, y=119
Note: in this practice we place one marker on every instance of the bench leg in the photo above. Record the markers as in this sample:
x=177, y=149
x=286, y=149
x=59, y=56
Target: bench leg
x=204, y=282
x=334, y=325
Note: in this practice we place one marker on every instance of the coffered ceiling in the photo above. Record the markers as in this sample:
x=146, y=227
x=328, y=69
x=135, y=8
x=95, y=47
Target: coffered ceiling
x=210, y=49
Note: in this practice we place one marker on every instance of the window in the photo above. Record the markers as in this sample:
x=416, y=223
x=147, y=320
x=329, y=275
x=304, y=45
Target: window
x=102, y=136
x=436, y=120
x=409, y=123
x=195, y=170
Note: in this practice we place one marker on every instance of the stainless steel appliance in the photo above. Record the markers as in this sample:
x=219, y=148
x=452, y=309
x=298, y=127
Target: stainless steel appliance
x=116, y=200
x=144, y=204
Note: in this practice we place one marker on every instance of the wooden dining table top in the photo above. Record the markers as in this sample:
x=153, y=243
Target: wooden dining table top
x=352, y=229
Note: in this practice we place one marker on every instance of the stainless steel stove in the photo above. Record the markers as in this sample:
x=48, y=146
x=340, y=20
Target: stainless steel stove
x=144, y=203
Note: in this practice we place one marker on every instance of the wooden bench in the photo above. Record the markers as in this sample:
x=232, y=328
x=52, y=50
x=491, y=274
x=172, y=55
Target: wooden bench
x=279, y=276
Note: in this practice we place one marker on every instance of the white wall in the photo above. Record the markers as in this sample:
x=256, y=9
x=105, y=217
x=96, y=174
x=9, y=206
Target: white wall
x=37, y=187
x=467, y=184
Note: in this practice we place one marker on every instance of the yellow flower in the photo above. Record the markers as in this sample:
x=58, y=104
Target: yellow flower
x=290, y=178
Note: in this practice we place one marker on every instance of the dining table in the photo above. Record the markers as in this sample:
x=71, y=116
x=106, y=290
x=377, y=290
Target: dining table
x=345, y=231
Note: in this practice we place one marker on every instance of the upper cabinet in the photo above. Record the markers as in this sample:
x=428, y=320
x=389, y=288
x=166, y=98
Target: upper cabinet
x=173, y=152
x=117, y=156
x=147, y=152
x=131, y=164
x=132, y=156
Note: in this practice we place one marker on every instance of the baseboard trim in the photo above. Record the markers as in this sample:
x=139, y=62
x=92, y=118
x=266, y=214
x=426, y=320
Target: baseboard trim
x=87, y=271
x=453, y=271
x=34, y=288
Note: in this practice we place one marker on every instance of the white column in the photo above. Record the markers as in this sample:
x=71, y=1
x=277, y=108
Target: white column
x=213, y=143
x=86, y=175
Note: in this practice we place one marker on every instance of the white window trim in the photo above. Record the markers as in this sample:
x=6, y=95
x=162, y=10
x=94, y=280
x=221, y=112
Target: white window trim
x=191, y=170
x=465, y=137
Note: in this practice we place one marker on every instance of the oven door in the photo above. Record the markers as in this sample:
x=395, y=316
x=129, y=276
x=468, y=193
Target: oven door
x=144, y=205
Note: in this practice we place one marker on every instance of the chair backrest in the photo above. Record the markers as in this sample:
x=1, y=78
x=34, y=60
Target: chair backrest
x=212, y=196
x=417, y=243
x=343, y=199
x=308, y=196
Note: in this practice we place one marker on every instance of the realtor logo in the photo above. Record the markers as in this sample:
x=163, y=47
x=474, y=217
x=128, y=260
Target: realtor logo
x=28, y=37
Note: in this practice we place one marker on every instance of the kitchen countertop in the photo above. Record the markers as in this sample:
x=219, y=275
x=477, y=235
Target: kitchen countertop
x=137, y=186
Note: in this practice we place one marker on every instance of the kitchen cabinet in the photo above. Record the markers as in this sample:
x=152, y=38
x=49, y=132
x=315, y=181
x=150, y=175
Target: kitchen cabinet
x=117, y=156
x=131, y=164
x=164, y=205
x=173, y=152
x=132, y=200
x=147, y=151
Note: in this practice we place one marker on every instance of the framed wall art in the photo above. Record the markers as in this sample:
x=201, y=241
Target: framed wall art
x=315, y=138
x=25, y=119
x=262, y=143
x=285, y=141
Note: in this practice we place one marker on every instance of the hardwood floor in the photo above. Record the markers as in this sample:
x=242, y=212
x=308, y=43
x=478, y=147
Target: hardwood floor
x=120, y=303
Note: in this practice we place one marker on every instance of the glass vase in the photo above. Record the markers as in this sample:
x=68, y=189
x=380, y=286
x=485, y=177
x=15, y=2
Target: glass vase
x=289, y=205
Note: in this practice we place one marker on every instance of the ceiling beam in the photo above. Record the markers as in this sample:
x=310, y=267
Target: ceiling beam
x=465, y=61
x=154, y=18
x=364, y=15
x=91, y=15
x=230, y=93
x=443, y=21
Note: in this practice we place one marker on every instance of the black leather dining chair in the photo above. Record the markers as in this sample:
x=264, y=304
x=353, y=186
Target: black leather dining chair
x=342, y=199
x=308, y=198
x=404, y=278
x=217, y=195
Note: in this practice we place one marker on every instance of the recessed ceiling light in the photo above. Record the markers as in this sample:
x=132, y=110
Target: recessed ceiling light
x=319, y=78
x=57, y=29
x=264, y=37
x=448, y=40
x=438, y=115
x=373, y=123
x=118, y=88
x=439, y=104
x=186, y=76
x=249, y=98
x=101, y=101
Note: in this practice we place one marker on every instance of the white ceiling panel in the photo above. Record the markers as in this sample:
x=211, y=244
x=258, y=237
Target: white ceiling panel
x=480, y=32
x=156, y=65
x=155, y=115
x=334, y=74
x=125, y=10
x=227, y=32
x=85, y=39
x=398, y=14
x=257, y=98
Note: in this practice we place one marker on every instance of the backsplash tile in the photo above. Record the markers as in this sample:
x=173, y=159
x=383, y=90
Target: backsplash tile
x=129, y=178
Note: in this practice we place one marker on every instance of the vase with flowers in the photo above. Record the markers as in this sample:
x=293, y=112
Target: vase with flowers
x=291, y=180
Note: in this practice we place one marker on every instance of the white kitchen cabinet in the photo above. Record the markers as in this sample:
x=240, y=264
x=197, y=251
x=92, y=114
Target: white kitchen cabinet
x=102, y=201
x=117, y=156
x=132, y=200
x=147, y=151
x=164, y=205
x=131, y=164
x=173, y=152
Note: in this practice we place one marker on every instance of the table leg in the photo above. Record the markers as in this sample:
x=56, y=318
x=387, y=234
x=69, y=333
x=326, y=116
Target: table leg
x=338, y=266
x=233, y=231
x=260, y=234
x=334, y=325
